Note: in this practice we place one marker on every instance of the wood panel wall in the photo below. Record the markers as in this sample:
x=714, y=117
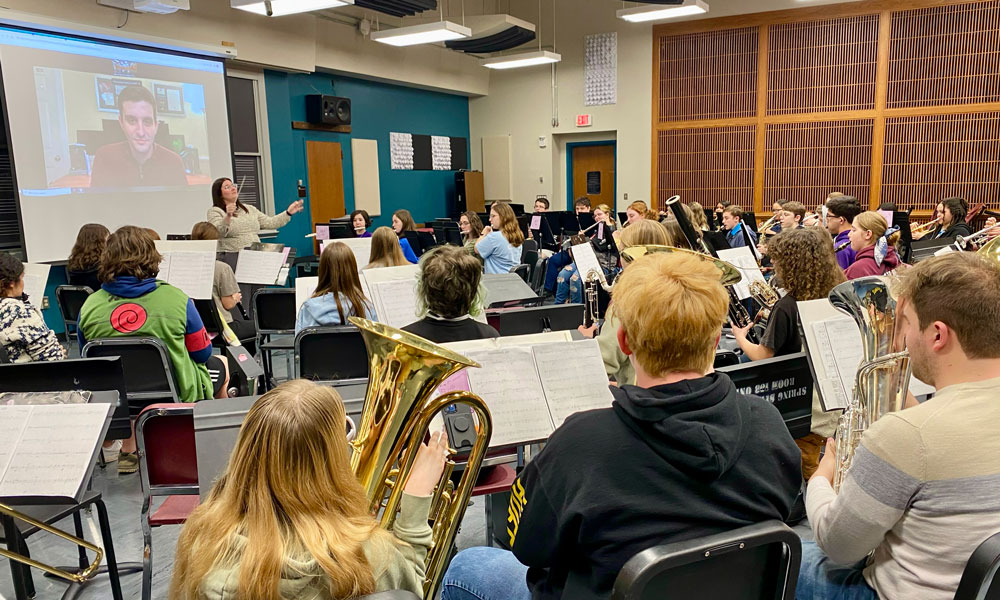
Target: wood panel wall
x=885, y=100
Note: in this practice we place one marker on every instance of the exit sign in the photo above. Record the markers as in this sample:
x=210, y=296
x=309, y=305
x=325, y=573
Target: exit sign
x=583, y=121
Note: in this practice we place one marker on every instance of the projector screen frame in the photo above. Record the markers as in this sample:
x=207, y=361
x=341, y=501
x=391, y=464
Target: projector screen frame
x=135, y=45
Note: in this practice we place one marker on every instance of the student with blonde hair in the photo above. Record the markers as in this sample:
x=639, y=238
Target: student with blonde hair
x=500, y=244
x=874, y=245
x=385, y=251
x=338, y=292
x=684, y=452
x=288, y=518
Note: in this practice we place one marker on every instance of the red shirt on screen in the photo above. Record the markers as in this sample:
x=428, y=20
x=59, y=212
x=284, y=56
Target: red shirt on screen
x=114, y=166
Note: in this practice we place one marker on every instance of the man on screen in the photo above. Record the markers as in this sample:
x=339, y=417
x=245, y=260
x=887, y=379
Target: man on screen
x=139, y=160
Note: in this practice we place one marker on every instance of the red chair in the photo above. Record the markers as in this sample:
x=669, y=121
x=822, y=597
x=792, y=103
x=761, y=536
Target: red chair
x=493, y=480
x=168, y=466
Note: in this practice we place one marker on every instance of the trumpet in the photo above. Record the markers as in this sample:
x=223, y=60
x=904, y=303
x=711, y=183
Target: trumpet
x=975, y=240
x=405, y=370
x=921, y=229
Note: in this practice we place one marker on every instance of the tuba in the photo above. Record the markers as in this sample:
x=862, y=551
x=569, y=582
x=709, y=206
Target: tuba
x=405, y=369
x=883, y=377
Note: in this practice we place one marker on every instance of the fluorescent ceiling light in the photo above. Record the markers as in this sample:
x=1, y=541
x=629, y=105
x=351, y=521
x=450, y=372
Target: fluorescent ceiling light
x=658, y=12
x=427, y=33
x=280, y=8
x=522, y=59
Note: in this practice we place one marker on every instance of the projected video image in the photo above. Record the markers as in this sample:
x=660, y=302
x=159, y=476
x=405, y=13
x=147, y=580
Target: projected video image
x=114, y=130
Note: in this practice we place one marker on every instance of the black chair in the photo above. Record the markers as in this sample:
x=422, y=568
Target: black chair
x=149, y=374
x=557, y=317
x=274, y=314
x=757, y=561
x=70, y=299
x=725, y=358
x=306, y=266
x=334, y=353
x=538, y=277
x=980, y=572
x=4, y=357
x=522, y=271
x=212, y=320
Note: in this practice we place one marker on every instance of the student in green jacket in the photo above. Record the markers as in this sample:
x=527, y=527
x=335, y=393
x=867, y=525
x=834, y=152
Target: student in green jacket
x=288, y=519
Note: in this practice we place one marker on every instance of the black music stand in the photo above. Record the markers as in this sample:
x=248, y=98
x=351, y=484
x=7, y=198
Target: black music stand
x=786, y=381
x=924, y=249
x=901, y=219
x=522, y=321
x=622, y=218
x=586, y=220
x=340, y=230
x=750, y=220
x=545, y=234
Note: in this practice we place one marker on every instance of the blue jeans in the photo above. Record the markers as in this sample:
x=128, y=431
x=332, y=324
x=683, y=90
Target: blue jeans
x=483, y=573
x=555, y=264
x=569, y=288
x=820, y=579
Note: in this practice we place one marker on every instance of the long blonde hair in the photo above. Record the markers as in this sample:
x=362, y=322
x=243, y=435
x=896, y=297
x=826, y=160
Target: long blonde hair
x=288, y=491
x=386, y=251
x=508, y=224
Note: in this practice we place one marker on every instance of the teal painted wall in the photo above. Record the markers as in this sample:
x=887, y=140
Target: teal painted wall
x=378, y=109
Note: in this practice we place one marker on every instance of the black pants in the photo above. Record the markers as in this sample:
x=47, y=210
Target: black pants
x=247, y=333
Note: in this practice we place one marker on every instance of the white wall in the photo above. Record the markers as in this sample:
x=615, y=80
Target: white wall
x=519, y=104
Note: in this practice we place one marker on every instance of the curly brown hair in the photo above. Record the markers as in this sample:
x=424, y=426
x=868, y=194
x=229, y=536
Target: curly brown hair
x=449, y=281
x=805, y=262
x=130, y=251
x=10, y=272
x=86, y=252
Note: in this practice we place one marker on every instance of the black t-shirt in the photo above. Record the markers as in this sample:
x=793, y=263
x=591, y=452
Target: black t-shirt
x=87, y=277
x=782, y=333
x=440, y=331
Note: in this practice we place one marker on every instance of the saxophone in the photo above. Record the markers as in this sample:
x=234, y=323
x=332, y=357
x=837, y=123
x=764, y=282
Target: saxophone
x=883, y=377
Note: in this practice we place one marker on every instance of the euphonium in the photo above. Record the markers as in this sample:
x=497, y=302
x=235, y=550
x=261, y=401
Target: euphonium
x=883, y=377
x=991, y=249
x=404, y=370
x=729, y=274
x=765, y=295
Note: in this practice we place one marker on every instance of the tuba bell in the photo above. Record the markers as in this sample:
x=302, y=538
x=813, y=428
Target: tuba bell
x=404, y=371
x=883, y=377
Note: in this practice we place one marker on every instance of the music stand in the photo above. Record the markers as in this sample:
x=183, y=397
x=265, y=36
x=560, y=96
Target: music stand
x=710, y=218
x=750, y=219
x=586, y=220
x=340, y=230
x=622, y=218
x=523, y=221
x=901, y=219
x=786, y=381
x=545, y=234
x=924, y=249
x=77, y=374
x=568, y=222
x=178, y=236
x=522, y=321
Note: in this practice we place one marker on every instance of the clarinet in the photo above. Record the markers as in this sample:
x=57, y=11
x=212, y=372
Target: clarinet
x=842, y=246
x=737, y=312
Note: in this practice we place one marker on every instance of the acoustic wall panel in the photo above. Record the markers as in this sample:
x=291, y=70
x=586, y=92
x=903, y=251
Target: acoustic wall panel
x=367, y=191
x=706, y=165
x=498, y=177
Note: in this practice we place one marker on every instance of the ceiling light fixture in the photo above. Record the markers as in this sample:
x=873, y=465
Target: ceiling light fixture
x=653, y=12
x=280, y=8
x=427, y=33
x=522, y=59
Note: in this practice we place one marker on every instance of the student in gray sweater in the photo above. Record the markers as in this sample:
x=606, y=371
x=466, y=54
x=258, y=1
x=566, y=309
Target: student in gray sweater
x=920, y=494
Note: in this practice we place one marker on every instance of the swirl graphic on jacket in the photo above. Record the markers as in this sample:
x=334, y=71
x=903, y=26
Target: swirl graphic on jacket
x=128, y=317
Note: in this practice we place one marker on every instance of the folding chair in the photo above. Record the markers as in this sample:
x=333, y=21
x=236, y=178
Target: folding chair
x=149, y=374
x=980, y=572
x=335, y=353
x=757, y=561
x=274, y=314
x=522, y=271
x=168, y=467
x=70, y=299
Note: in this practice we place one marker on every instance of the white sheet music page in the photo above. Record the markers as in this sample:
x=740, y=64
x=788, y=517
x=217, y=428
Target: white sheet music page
x=54, y=450
x=742, y=258
x=191, y=272
x=13, y=420
x=586, y=261
x=361, y=247
x=36, y=276
x=304, y=289
x=261, y=268
x=842, y=352
x=509, y=384
x=573, y=377
x=398, y=301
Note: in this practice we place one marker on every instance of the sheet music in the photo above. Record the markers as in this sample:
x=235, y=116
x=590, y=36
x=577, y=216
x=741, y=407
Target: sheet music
x=742, y=258
x=586, y=261
x=396, y=301
x=191, y=272
x=258, y=267
x=36, y=276
x=304, y=289
x=54, y=450
x=509, y=384
x=164, y=246
x=361, y=247
x=534, y=338
x=391, y=273
x=13, y=419
x=573, y=377
x=839, y=346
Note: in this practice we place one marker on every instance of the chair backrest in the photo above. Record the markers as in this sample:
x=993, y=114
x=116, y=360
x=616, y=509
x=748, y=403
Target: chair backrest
x=4, y=356
x=757, y=561
x=168, y=463
x=70, y=299
x=725, y=358
x=528, y=246
x=522, y=271
x=331, y=353
x=980, y=572
x=556, y=317
x=274, y=310
x=210, y=317
x=149, y=374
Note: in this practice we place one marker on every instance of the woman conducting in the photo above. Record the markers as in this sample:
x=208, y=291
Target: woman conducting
x=239, y=224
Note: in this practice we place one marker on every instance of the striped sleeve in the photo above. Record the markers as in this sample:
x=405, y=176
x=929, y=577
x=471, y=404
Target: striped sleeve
x=872, y=498
x=196, y=339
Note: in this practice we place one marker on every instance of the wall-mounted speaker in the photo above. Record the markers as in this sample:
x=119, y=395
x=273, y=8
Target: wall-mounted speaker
x=328, y=110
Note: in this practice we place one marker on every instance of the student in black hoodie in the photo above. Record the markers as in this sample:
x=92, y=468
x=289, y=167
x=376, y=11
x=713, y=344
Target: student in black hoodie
x=680, y=455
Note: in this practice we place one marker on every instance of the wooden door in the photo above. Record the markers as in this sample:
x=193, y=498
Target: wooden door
x=324, y=162
x=594, y=174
